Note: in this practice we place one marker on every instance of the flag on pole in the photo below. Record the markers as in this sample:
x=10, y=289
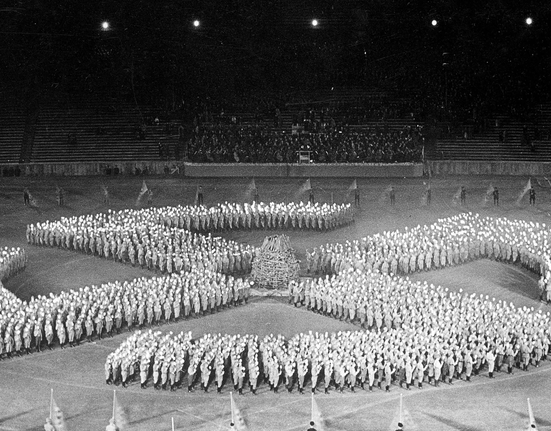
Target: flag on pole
x=354, y=185
x=308, y=185
x=527, y=187
x=143, y=191
x=237, y=417
x=532, y=424
x=316, y=416
x=58, y=421
x=144, y=188
x=457, y=197
x=118, y=414
x=253, y=184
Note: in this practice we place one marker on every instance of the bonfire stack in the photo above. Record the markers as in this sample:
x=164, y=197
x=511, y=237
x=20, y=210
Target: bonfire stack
x=275, y=265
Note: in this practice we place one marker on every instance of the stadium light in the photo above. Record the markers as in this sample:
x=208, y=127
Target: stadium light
x=315, y=23
x=434, y=23
x=196, y=23
x=105, y=25
x=529, y=21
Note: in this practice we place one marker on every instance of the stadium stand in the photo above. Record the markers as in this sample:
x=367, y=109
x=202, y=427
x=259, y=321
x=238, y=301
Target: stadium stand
x=91, y=127
x=12, y=127
x=505, y=139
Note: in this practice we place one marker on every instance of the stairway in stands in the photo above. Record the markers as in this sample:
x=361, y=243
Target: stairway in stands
x=488, y=145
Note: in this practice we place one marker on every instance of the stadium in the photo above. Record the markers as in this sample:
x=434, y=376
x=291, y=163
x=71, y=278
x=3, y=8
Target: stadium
x=275, y=216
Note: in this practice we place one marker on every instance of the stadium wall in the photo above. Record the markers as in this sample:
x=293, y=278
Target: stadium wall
x=214, y=170
x=470, y=167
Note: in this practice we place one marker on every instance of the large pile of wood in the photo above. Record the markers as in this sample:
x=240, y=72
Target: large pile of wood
x=276, y=265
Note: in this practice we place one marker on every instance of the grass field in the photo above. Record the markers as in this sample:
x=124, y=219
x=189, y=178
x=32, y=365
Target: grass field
x=76, y=375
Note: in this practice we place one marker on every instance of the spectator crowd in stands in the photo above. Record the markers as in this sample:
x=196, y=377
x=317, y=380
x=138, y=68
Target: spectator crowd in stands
x=258, y=144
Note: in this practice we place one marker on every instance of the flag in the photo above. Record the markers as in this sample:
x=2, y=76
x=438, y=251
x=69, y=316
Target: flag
x=308, y=185
x=32, y=201
x=354, y=185
x=144, y=188
x=532, y=424
x=316, y=417
x=456, y=197
x=196, y=196
x=253, y=184
x=58, y=421
x=118, y=414
x=528, y=185
x=237, y=417
x=143, y=191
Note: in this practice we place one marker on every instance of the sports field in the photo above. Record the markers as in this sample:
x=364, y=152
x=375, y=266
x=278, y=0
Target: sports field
x=76, y=374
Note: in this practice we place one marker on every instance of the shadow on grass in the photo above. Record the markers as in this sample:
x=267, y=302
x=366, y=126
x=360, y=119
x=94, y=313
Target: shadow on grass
x=451, y=423
x=10, y=417
x=149, y=418
x=539, y=421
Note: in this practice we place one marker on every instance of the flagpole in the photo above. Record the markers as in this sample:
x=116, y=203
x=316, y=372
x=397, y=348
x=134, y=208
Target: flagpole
x=172, y=424
x=231, y=407
x=51, y=402
x=401, y=421
x=114, y=402
x=312, y=409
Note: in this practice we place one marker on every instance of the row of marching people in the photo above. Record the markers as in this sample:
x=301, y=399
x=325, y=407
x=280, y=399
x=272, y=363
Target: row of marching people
x=127, y=237
x=343, y=360
x=97, y=311
x=228, y=216
x=447, y=242
x=13, y=260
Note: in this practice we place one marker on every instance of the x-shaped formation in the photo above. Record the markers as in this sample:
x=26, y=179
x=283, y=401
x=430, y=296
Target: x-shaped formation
x=418, y=330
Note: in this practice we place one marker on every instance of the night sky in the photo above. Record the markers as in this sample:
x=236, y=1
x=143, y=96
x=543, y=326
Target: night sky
x=270, y=47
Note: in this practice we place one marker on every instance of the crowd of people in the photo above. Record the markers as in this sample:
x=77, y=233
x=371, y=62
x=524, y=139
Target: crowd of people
x=257, y=215
x=258, y=144
x=419, y=334
x=139, y=237
x=12, y=261
x=97, y=311
x=165, y=239
x=450, y=241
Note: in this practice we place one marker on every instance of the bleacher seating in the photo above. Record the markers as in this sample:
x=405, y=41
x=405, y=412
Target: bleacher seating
x=95, y=128
x=12, y=127
x=504, y=140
